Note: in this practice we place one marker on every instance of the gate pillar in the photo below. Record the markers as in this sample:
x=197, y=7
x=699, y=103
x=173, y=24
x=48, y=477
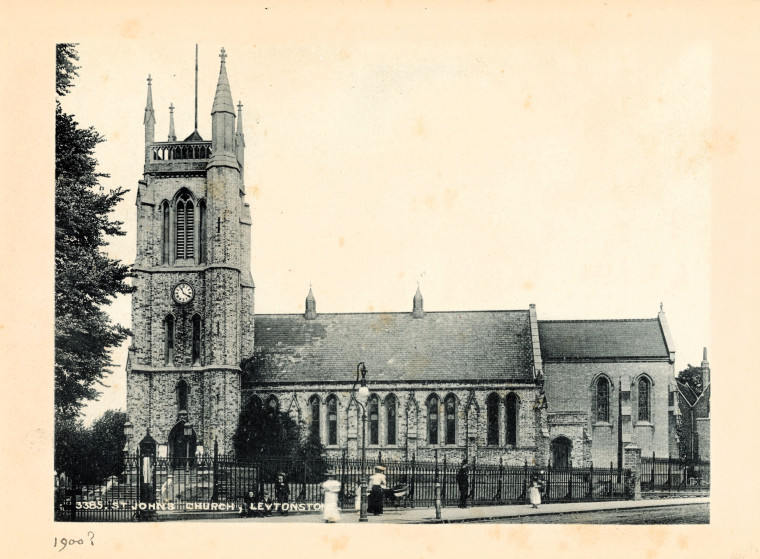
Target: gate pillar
x=147, y=468
x=632, y=462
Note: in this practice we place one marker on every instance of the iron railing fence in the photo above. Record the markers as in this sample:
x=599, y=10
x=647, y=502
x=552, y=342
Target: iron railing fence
x=672, y=474
x=223, y=482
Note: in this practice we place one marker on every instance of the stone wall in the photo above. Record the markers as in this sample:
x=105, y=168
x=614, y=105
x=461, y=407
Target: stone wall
x=569, y=388
x=412, y=420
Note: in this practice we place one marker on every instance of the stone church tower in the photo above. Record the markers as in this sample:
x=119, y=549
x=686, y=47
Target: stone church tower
x=192, y=312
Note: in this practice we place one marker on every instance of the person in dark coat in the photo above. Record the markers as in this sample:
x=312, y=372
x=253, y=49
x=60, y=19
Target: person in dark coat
x=377, y=486
x=463, y=483
x=281, y=492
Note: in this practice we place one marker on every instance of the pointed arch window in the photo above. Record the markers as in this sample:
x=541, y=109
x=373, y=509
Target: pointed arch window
x=373, y=408
x=390, y=418
x=182, y=395
x=169, y=340
x=603, y=400
x=332, y=420
x=202, y=240
x=196, y=344
x=185, y=227
x=314, y=419
x=512, y=407
x=492, y=417
x=644, y=395
x=450, y=406
x=432, y=430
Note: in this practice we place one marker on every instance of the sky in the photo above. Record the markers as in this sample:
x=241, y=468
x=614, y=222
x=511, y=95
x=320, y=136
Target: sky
x=491, y=164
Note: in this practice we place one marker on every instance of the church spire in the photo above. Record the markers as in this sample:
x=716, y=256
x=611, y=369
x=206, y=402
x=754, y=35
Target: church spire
x=172, y=134
x=149, y=120
x=223, y=122
x=417, y=310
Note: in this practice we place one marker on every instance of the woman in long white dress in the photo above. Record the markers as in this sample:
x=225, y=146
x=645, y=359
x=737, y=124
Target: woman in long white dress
x=535, y=492
x=331, y=488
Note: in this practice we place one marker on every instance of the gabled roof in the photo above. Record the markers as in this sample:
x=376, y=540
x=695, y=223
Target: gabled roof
x=442, y=346
x=602, y=339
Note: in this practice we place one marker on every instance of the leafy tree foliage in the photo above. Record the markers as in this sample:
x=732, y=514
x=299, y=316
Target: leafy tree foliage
x=90, y=455
x=86, y=279
x=691, y=376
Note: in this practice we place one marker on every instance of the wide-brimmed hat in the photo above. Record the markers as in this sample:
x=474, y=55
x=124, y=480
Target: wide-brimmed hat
x=380, y=468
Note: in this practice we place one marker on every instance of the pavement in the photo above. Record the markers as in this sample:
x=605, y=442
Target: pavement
x=449, y=515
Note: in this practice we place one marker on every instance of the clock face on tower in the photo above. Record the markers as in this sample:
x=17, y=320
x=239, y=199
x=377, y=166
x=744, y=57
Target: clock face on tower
x=183, y=293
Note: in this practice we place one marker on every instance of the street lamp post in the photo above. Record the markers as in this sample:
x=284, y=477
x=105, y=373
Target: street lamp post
x=363, y=393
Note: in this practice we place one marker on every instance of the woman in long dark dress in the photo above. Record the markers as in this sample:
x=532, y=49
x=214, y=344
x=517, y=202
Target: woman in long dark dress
x=377, y=485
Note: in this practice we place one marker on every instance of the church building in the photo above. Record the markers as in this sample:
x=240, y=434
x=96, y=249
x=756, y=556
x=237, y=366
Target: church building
x=496, y=385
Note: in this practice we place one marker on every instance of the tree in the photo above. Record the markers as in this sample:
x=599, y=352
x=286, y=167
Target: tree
x=86, y=279
x=692, y=376
x=90, y=455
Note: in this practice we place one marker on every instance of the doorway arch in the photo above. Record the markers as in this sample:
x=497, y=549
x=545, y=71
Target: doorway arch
x=181, y=447
x=560, y=449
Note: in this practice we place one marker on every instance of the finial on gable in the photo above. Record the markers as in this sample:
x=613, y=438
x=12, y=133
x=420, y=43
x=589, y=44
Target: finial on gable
x=417, y=308
x=311, y=305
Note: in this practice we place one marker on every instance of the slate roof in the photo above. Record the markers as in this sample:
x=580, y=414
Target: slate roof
x=601, y=339
x=442, y=346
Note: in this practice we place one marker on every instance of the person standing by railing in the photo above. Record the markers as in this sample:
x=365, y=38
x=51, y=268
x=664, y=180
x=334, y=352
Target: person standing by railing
x=331, y=488
x=463, y=483
x=377, y=483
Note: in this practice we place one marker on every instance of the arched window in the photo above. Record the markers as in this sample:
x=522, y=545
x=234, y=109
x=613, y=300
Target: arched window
x=512, y=406
x=432, y=430
x=165, y=232
x=332, y=420
x=182, y=395
x=450, y=405
x=196, y=348
x=492, y=416
x=603, y=400
x=373, y=409
x=273, y=405
x=169, y=340
x=390, y=418
x=202, y=241
x=314, y=419
x=644, y=395
x=185, y=227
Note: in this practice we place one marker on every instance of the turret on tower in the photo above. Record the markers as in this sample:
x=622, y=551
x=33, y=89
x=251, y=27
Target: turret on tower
x=149, y=121
x=223, y=122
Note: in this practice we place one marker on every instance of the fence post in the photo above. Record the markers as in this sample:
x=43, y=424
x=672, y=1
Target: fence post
x=524, y=494
x=214, y=488
x=411, y=481
x=437, y=489
x=548, y=480
x=570, y=481
x=501, y=475
x=591, y=482
x=443, y=483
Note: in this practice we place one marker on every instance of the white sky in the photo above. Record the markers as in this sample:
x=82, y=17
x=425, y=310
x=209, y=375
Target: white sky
x=495, y=165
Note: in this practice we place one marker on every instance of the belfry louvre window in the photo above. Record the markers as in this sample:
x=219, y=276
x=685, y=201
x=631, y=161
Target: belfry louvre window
x=185, y=227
